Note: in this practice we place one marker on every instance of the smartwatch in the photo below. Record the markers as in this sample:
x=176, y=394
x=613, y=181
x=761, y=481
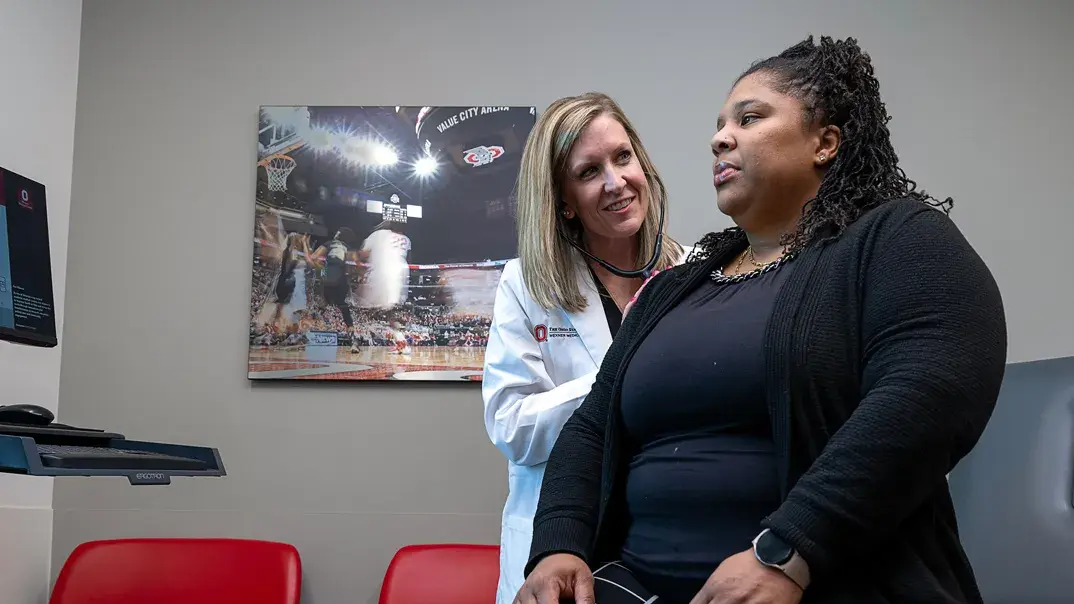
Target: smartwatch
x=776, y=553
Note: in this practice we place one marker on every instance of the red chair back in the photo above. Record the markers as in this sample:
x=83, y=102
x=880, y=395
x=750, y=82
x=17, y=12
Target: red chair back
x=444, y=574
x=180, y=571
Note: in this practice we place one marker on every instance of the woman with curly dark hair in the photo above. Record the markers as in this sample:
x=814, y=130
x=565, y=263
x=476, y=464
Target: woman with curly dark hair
x=776, y=418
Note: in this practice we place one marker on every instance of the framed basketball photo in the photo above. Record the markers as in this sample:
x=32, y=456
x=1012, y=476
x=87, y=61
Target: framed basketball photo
x=379, y=237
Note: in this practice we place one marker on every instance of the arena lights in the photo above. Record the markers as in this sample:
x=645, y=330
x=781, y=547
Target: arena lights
x=365, y=152
x=358, y=150
x=321, y=139
x=351, y=147
x=426, y=166
x=384, y=155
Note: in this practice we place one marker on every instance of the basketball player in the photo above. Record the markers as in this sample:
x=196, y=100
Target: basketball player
x=289, y=289
x=336, y=282
x=388, y=273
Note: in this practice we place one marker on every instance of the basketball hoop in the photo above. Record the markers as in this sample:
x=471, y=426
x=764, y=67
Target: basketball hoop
x=278, y=168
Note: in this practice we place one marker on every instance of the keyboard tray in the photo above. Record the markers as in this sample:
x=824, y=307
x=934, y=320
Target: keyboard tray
x=141, y=462
x=110, y=458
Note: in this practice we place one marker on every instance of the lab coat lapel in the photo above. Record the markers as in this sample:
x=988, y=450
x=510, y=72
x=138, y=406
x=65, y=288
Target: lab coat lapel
x=591, y=323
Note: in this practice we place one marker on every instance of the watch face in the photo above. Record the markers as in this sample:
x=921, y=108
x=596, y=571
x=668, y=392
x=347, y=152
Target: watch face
x=773, y=550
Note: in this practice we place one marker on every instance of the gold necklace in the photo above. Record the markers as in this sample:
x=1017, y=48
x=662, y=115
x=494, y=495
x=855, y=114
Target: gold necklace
x=753, y=259
x=719, y=277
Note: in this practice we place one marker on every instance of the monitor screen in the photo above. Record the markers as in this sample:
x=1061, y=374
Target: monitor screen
x=27, y=313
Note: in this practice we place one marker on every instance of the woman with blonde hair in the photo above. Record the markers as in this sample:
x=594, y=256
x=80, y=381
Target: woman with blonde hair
x=590, y=221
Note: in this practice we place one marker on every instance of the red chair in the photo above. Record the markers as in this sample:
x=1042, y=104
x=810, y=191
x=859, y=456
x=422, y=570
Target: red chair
x=442, y=574
x=180, y=571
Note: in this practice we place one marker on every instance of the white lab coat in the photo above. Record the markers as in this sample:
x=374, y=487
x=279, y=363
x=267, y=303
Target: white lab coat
x=539, y=366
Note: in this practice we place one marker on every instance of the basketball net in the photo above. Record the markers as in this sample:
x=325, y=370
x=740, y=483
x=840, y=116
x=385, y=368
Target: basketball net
x=278, y=168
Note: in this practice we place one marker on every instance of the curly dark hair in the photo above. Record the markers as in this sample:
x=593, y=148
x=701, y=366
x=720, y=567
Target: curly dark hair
x=834, y=81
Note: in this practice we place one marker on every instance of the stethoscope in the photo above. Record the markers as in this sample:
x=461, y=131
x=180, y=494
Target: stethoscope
x=643, y=272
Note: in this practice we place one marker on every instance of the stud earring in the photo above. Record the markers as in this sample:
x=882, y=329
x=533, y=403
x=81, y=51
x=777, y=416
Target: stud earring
x=823, y=158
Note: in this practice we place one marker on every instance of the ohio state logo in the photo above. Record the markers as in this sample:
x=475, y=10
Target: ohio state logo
x=480, y=156
x=540, y=333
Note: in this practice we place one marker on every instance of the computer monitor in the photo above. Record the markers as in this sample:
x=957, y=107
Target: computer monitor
x=27, y=310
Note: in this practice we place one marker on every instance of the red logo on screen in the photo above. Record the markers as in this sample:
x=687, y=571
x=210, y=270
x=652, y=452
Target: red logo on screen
x=540, y=333
x=479, y=156
x=25, y=201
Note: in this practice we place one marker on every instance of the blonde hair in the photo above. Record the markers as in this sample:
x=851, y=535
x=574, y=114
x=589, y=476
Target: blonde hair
x=549, y=263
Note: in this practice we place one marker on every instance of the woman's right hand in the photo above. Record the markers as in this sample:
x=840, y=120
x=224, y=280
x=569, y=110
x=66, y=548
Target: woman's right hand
x=559, y=576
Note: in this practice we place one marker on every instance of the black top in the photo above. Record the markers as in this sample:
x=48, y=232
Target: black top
x=884, y=356
x=703, y=471
x=611, y=310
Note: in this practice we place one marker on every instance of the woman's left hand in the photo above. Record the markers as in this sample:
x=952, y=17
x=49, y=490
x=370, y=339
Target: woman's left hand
x=742, y=579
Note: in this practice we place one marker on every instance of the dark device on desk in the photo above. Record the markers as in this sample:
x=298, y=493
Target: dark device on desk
x=27, y=314
x=31, y=444
x=28, y=415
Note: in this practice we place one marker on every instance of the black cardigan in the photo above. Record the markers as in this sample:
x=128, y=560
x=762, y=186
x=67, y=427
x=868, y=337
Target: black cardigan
x=884, y=356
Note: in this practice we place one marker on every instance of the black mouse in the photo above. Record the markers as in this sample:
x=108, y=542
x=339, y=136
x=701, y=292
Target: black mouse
x=32, y=415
